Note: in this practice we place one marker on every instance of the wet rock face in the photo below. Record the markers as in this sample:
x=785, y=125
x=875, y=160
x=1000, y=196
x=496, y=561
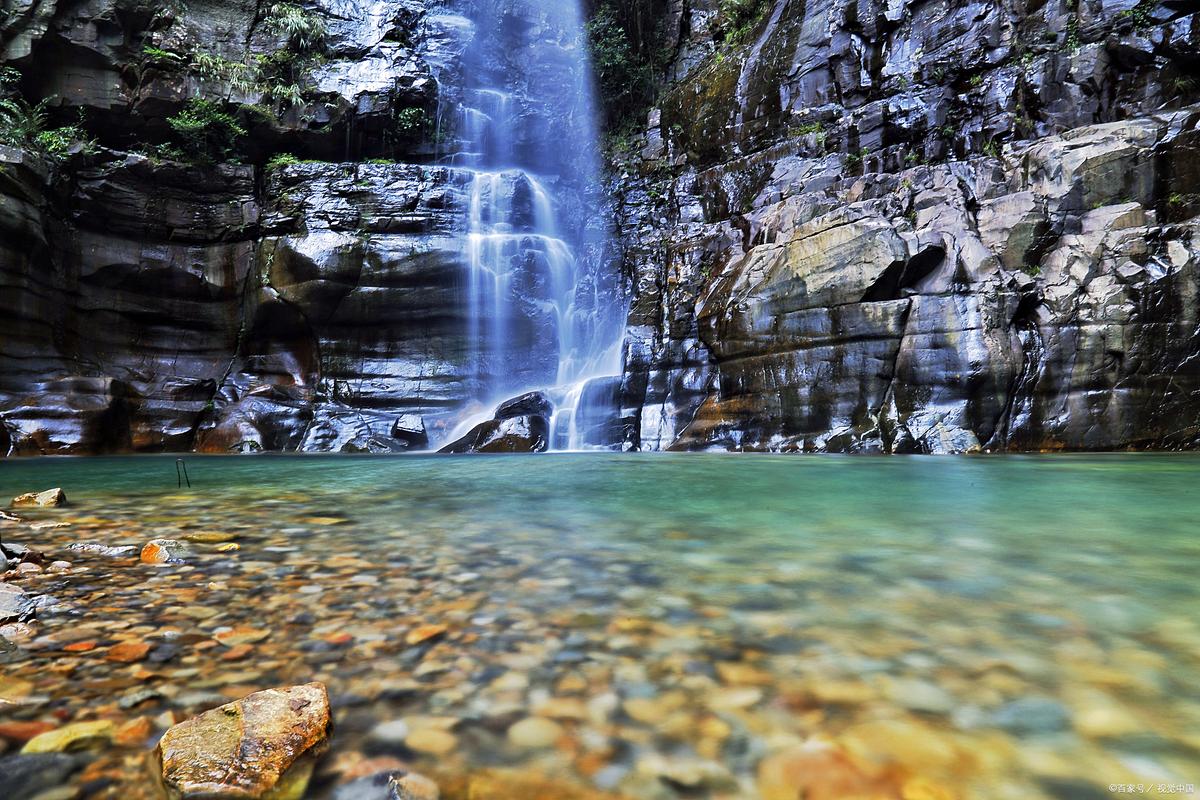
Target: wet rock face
x=316, y=304
x=917, y=229
x=869, y=226
x=520, y=425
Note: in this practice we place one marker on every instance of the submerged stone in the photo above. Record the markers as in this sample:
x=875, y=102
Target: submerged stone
x=15, y=604
x=165, y=551
x=1031, y=716
x=26, y=776
x=78, y=736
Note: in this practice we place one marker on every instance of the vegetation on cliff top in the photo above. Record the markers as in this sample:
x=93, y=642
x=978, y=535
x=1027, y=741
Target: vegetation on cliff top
x=632, y=50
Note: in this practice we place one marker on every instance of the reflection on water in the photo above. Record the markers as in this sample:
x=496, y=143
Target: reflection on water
x=690, y=626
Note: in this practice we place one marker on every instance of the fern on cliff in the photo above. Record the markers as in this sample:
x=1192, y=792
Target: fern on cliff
x=25, y=126
x=304, y=30
x=205, y=132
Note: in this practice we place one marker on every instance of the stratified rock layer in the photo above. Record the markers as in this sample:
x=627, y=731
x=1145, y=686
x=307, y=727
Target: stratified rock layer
x=916, y=227
x=867, y=226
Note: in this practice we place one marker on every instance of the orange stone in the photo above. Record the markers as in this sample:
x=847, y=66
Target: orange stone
x=237, y=653
x=493, y=784
x=424, y=633
x=134, y=733
x=80, y=647
x=367, y=767
x=816, y=770
x=24, y=731
x=127, y=652
x=242, y=634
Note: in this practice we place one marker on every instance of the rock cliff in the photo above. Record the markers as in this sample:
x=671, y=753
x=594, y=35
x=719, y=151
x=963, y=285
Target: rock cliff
x=857, y=226
x=918, y=227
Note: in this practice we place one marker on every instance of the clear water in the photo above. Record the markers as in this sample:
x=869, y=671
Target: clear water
x=956, y=627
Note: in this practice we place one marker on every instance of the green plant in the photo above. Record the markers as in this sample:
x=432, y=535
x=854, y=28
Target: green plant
x=304, y=30
x=281, y=160
x=736, y=19
x=975, y=81
x=21, y=122
x=626, y=81
x=205, y=132
x=23, y=125
x=413, y=122
x=1182, y=85
x=164, y=59
x=1141, y=15
x=9, y=78
x=1073, y=41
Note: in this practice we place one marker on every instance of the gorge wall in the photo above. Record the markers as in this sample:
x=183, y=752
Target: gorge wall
x=856, y=226
x=935, y=226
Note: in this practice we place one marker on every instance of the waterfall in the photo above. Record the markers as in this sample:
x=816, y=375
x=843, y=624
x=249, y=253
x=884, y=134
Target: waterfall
x=544, y=311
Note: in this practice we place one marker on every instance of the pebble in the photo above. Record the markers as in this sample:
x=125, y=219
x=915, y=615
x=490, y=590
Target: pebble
x=15, y=604
x=77, y=736
x=1032, y=716
x=103, y=550
x=393, y=732
x=919, y=695
x=127, y=652
x=534, y=733
x=424, y=633
x=165, y=551
x=33, y=775
x=431, y=741
x=22, y=732
x=279, y=726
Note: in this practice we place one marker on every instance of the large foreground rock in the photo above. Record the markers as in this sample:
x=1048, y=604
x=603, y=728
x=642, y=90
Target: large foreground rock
x=248, y=749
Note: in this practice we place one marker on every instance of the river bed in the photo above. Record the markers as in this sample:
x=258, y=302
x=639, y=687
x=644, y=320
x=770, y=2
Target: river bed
x=650, y=627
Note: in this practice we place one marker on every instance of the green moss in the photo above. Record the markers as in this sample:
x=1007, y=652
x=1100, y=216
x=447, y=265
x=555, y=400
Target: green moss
x=698, y=110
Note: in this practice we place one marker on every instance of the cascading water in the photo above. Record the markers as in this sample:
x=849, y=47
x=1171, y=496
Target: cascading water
x=544, y=310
